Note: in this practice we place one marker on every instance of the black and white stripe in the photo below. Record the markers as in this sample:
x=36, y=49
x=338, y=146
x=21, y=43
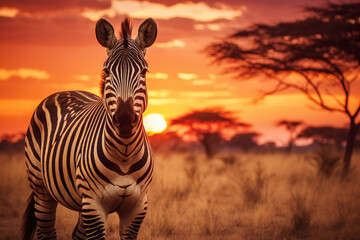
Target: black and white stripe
x=77, y=152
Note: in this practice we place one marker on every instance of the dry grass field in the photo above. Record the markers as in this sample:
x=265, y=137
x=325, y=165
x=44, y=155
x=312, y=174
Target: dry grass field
x=238, y=196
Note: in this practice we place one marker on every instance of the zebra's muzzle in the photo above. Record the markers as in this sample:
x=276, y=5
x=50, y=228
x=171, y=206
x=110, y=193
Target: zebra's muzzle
x=125, y=119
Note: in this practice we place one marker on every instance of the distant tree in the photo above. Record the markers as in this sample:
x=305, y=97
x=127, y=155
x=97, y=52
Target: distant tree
x=291, y=127
x=268, y=146
x=165, y=141
x=245, y=141
x=325, y=135
x=10, y=143
x=318, y=56
x=207, y=126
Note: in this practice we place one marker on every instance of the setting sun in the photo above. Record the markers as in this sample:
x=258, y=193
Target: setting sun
x=154, y=123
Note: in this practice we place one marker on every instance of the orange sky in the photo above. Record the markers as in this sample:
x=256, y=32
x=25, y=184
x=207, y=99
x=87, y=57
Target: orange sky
x=50, y=46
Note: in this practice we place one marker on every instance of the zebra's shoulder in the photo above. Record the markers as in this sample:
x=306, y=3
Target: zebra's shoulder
x=71, y=97
x=70, y=100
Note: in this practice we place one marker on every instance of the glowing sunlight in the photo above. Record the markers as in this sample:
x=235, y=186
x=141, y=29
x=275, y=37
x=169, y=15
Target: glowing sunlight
x=154, y=123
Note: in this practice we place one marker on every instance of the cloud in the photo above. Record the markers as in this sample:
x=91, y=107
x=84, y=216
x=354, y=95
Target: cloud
x=8, y=12
x=201, y=82
x=94, y=15
x=198, y=11
x=212, y=76
x=158, y=93
x=73, y=29
x=158, y=75
x=187, y=76
x=82, y=77
x=205, y=94
x=37, y=8
x=171, y=44
x=67, y=29
x=210, y=26
x=23, y=73
x=162, y=101
x=253, y=11
x=212, y=3
x=236, y=3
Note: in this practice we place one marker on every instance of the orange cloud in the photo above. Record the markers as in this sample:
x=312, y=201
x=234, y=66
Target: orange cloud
x=187, y=76
x=158, y=75
x=8, y=12
x=210, y=26
x=205, y=94
x=158, y=93
x=144, y=9
x=162, y=101
x=82, y=77
x=23, y=73
x=201, y=82
x=40, y=8
x=171, y=44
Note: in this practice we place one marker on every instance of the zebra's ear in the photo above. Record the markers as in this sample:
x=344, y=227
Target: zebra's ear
x=147, y=33
x=105, y=33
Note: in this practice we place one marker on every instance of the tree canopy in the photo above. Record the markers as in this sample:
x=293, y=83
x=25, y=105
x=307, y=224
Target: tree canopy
x=291, y=127
x=318, y=56
x=325, y=134
x=207, y=126
x=245, y=141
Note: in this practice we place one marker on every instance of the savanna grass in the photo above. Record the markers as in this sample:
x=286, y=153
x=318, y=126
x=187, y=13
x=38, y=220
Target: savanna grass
x=251, y=196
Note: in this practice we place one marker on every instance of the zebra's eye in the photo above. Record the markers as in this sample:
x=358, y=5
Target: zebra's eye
x=106, y=72
x=143, y=73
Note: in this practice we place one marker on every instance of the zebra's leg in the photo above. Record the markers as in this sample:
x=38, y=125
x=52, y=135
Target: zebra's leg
x=130, y=221
x=45, y=214
x=79, y=230
x=94, y=218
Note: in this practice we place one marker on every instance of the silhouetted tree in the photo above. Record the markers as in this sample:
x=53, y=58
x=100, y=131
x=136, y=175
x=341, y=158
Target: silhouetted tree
x=246, y=141
x=11, y=143
x=291, y=127
x=166, y=141
x=268, y=146
x=207, y=126
x=325, y=135
x=318, y=56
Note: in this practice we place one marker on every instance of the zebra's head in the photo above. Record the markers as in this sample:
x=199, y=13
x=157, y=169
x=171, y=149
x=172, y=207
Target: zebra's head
x=124, y=84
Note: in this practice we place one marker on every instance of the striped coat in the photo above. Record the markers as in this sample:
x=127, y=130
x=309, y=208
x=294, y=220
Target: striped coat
x=92, y=154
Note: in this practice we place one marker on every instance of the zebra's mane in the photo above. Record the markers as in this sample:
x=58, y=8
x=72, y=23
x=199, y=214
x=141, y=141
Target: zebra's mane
x=126, y=30
x=102, y=82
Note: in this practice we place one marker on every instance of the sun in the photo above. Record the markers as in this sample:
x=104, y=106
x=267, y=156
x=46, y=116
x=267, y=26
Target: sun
x=154, y=123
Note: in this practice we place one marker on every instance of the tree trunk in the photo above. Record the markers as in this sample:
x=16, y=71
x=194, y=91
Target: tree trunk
x=350, y=143
x=208, y=148
x=290, y=146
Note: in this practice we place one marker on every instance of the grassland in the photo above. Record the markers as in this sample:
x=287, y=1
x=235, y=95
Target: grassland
x=237, y=196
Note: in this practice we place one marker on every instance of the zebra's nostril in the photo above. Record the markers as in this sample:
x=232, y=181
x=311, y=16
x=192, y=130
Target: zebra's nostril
x=124, y=118
x=135, y=120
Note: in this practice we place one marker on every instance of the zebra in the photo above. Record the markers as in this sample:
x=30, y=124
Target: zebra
x=92, y=154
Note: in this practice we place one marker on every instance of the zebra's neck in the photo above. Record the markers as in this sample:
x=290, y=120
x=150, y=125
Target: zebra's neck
x=123, y=148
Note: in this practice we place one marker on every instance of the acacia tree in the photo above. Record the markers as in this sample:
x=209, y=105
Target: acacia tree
x=207, y=126
x=318, y=56
x=325, y=135
x=246, y=141
x=291, y=127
